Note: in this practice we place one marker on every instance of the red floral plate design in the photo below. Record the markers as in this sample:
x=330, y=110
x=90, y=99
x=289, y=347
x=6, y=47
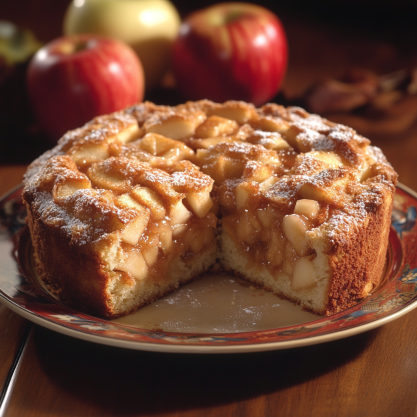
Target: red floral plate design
x=21, y=291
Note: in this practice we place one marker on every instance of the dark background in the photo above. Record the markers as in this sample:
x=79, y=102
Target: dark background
x=316, y=30
x=326, y=39
x=392, y=21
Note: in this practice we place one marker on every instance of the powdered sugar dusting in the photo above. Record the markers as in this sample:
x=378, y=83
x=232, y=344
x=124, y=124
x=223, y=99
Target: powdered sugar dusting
x=89, y=214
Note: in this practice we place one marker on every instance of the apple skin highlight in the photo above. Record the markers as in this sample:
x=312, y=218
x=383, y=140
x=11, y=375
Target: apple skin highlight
x=149, y=27
x=231, y=51
x=73, y=79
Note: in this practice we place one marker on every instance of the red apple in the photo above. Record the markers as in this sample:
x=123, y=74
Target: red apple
x=230, y=51
x=75, y=78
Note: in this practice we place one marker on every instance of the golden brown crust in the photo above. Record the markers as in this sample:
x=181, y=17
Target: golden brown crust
x=357, y=258
x=132, y=191
x=85, y=291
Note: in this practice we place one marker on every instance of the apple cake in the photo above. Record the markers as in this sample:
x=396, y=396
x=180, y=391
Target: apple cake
x=133, y=204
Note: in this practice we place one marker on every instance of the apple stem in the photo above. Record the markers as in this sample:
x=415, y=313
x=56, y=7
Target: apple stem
x=232, y=16
x=69, y=48
x=80, y=46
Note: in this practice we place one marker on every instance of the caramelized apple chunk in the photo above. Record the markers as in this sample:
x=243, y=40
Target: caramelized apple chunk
x=174, y=125
x=215, y=126
x=149, y=199
x=233, y=110
x=134, y=265
x=295, y=229
x=132, y=233
x=304, y=274
x=307, y=208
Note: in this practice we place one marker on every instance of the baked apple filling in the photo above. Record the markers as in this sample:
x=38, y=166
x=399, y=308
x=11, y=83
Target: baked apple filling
x=163, y=241
x=173, y=215
x=141, y=201
x=272, y=238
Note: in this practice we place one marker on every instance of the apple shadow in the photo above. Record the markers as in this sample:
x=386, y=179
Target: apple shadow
x=154, y=54
x=128, y=382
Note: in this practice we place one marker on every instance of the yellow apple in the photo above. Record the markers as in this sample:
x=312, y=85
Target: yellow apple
x=148, y=26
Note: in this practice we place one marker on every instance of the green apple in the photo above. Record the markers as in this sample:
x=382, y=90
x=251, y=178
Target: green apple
x=148, y=26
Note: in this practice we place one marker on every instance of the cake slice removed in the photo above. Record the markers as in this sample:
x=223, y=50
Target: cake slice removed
x=316, y=234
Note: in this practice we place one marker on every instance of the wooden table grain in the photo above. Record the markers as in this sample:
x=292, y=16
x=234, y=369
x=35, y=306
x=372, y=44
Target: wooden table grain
x=43, y=373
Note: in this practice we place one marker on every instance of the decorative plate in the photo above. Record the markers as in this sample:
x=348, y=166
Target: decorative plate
x=213, y=315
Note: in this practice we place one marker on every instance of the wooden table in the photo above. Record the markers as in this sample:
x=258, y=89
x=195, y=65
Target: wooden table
x=43, y=373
